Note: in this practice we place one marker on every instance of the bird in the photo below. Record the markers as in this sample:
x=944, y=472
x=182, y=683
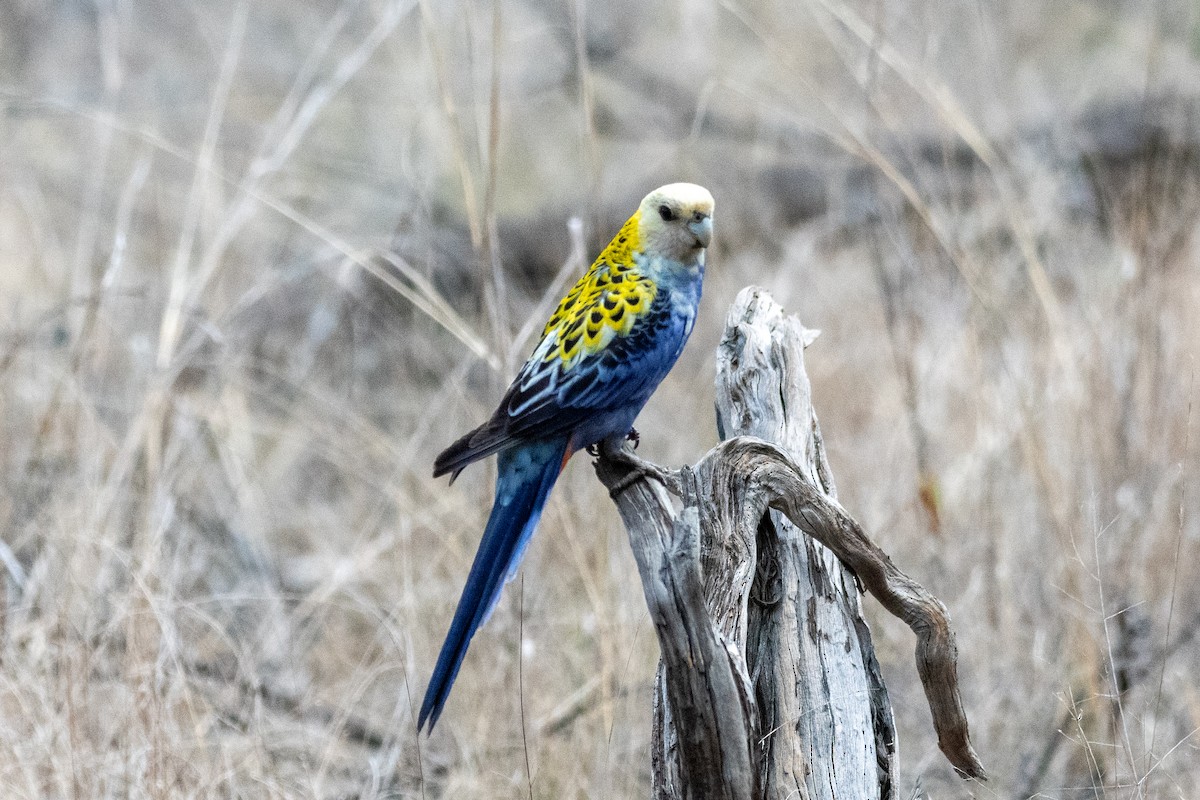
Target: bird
x=609, y=343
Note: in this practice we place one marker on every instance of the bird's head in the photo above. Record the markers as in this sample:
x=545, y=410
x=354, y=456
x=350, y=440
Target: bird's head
x=676, y=221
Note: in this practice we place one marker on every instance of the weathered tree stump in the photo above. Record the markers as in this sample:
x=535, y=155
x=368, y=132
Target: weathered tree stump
x=768, y=685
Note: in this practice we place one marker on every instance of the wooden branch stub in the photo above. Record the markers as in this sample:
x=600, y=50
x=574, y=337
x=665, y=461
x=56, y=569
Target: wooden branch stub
x=711, y=722
x=817, y=681
x=768, y=685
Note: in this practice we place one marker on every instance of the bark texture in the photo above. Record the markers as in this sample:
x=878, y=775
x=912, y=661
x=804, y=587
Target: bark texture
x=768, y=685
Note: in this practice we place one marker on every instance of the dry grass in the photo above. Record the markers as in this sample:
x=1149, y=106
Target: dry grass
x=259, y=262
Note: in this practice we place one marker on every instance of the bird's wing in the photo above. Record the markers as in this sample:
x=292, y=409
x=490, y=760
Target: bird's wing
x=559, y=393
x=597, y=353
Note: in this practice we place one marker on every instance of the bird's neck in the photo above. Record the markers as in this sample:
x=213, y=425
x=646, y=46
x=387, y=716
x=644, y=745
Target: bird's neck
x=675, y=275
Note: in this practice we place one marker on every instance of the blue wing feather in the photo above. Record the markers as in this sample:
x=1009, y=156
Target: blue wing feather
x=547, y=399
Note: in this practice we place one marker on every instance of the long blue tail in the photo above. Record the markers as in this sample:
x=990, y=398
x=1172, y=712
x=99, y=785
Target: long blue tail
x=523, y=482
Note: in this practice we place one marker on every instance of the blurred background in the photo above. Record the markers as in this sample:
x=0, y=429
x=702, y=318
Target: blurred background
x=260, y=261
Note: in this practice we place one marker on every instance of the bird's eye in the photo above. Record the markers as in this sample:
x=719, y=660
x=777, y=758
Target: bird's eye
x=666, y=213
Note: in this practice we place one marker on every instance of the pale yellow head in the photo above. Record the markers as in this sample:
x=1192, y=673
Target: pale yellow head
x=675, y=221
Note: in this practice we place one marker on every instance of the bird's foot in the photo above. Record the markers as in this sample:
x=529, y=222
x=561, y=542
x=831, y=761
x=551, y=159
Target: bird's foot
x=639, y=468
x=633, y=435
x=593, y=450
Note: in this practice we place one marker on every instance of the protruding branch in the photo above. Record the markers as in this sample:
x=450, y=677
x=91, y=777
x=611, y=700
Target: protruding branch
x=764, y=476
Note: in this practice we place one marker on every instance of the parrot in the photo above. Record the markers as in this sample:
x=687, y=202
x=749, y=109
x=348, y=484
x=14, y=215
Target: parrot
x=609, y=343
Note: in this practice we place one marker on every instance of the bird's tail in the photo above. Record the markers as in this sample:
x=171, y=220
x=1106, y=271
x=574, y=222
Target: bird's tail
x=525, y=476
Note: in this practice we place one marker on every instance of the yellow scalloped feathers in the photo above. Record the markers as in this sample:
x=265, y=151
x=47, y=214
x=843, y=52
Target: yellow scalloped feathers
x=605, y=302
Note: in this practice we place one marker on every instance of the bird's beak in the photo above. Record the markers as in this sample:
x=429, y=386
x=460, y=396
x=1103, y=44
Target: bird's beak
x=702, y=230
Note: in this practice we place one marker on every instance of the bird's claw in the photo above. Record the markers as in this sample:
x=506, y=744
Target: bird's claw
x=593, y=449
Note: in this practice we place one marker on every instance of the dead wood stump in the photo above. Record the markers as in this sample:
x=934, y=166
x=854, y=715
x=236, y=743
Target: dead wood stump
x=768, y=685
